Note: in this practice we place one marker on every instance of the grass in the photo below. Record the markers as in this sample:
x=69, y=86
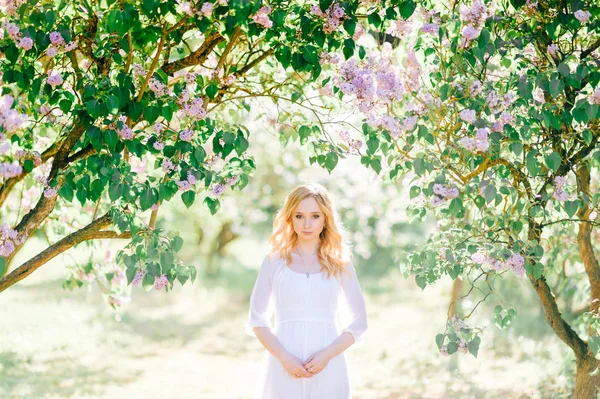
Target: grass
x=190, y=343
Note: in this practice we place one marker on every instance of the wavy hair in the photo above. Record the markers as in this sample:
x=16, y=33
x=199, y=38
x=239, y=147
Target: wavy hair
x=333, y=252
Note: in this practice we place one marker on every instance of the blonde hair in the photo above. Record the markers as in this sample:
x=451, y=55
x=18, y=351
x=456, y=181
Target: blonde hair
x=333, y=252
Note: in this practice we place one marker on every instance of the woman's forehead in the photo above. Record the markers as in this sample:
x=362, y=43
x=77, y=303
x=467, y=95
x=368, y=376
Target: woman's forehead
x=308, y=205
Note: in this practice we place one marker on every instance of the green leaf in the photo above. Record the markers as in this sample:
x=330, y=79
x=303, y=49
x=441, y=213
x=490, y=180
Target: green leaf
x=489, y=193
x=151, y=113
x=283, y=55
x=115, y=191
x=148, y=282
x=372, y=144
x=212, y=90
x=213, y=204
x=439, y=340
x=376, y=165
x=325, y=4
x=148, y=197
x=331, y=161
x=594, y=343
x=199, y=155
x=533, y=166
x=473, y=345
x=176, y=243
x=310, y=54
x=571, y=207
x=415, y=191
x=115, y=21
x=2, y=266
x=130, y=273
x=241, y=144
x=407, y=8
x=564, y=70
x=304, y=132
x=166, y=260
x=188, y=197
x=553, y=161
x=556, y=87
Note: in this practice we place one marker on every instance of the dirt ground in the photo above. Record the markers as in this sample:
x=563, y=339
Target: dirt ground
x=190, y=343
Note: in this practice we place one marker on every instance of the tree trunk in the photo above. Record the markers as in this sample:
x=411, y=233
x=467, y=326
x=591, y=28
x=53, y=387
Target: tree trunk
x=586, y=386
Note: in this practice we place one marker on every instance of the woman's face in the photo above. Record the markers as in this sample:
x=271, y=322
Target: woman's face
x=308, y=219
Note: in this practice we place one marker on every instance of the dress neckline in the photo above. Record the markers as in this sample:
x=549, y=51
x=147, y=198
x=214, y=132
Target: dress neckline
x=303, y=273
x=295, y=272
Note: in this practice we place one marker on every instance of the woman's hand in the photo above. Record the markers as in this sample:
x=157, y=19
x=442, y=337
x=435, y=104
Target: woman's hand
x=294, y=366
x=317, y=362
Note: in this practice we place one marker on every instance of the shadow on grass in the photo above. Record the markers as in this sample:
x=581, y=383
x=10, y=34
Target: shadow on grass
x=63, y=377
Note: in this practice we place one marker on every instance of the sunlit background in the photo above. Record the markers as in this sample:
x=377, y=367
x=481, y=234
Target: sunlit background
x=190, y=342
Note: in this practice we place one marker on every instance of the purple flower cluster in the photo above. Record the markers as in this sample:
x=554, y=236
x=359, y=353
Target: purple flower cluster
x=118, y=300
x=194, y=108
x=167, y=165
x=206, y=10
x=54, y=78
x=8, y=170
x=504, y=119
x=138, y=278
x=352, y=143
x=479, y=143
x=125, y=132
x=186, y=135
x=468, y=115
x=375, y=85
x=400, y=28
x=497, y=104
x=262, y=17
x=160, y=282
x=58, y=45
x=119, y=276
x=431, y=29
x=583, y=16
x=560, y=194
x=595, y=97
x=442, y=193
x=24, y=42
x=219, y=188
x=158, y=88
x=10, y=119
x=473, y=19
x=9, y=240
x=333, y=16
x=515, y=262
x=11, y=7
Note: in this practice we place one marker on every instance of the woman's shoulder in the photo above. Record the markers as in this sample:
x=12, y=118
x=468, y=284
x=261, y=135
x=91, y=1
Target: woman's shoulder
x=272, y=260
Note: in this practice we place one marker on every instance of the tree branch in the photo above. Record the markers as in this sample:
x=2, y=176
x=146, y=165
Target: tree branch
x=197, y=57
x=89, y=232
x=553, y=314
x=9, y=184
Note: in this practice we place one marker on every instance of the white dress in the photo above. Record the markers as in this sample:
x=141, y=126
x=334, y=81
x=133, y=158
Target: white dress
x=308, y=311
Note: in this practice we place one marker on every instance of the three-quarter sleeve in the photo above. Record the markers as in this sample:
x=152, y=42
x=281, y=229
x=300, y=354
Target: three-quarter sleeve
x=355, y=312
x=261, y=305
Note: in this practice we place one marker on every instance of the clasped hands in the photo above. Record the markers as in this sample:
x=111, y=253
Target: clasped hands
x=312, y=366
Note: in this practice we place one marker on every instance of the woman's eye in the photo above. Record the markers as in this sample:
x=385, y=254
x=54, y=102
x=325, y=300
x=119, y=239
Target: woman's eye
x=298, y=216
x=317, y=216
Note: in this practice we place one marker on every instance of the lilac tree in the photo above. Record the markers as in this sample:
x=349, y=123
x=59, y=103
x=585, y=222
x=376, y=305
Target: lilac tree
x=492, y=107
x=115, y=108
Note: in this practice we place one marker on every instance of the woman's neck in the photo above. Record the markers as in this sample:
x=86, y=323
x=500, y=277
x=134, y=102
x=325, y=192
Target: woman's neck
x=307, y=248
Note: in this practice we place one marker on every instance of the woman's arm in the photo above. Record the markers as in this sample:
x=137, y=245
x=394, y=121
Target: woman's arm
x=259, y=321
x=270, y=342
x=352, y=333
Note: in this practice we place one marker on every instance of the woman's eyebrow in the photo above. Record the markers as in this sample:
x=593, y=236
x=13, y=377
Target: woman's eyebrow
x=311, y=212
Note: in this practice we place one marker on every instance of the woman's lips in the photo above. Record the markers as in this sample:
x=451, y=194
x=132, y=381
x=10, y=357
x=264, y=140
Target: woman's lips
x=307, y=232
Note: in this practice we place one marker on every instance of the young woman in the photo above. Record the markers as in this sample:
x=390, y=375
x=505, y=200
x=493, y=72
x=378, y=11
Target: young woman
x=307, y=281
